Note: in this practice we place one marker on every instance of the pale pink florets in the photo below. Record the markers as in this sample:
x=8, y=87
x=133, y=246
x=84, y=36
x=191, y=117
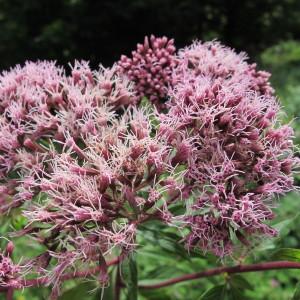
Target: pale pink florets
x=150, y=68
x=53, y=128
x=240, y=157
x=222, y=65
x=90, y=190
x=40, y=102
x=91, y=165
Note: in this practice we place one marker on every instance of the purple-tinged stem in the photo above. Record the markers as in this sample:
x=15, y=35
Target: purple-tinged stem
x=274, y=265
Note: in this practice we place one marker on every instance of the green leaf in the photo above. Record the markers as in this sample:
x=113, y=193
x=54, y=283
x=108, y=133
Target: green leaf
x=289, y=254
x=163, y=272
x=174, y=248
x=232, y=290
x=297, y=292
x=41, y=197
x=239, y=282
x=270, y=244
x=145, y=102
x=217, y=292
x=81, y=291
x=156, y=294
x=169, y=242
x=44, y=142
x=13, y=174
x=284, y=227
x=18, y=222
x=177, y=208
x=105, y=294
x=235, y=294
x=130, y=278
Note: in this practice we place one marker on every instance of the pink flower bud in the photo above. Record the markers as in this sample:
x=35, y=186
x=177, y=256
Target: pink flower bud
x=10, y=248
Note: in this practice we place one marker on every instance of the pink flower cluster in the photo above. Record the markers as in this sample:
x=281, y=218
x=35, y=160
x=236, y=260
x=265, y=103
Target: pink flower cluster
x=87, y=164
x=38, y=103
x=90, y=191
x=78, y=152
x=239, y=157
x=150, y=68
x=222, y=64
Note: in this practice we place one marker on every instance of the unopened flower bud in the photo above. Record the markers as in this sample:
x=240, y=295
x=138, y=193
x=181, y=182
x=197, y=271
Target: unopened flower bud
x=9, y=248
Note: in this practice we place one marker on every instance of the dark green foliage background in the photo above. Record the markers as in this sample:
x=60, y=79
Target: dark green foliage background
x=100, y=31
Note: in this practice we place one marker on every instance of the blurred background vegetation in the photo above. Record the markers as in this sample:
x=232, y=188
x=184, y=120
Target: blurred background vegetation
x=100, y=31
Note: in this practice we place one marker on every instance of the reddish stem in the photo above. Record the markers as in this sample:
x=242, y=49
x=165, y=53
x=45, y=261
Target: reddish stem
x=118, y=284
x=10, y=294
x=274, y=265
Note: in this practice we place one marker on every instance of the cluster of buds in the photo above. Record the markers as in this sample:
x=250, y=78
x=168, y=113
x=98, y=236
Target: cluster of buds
x=91, y=164
x=150, y=68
